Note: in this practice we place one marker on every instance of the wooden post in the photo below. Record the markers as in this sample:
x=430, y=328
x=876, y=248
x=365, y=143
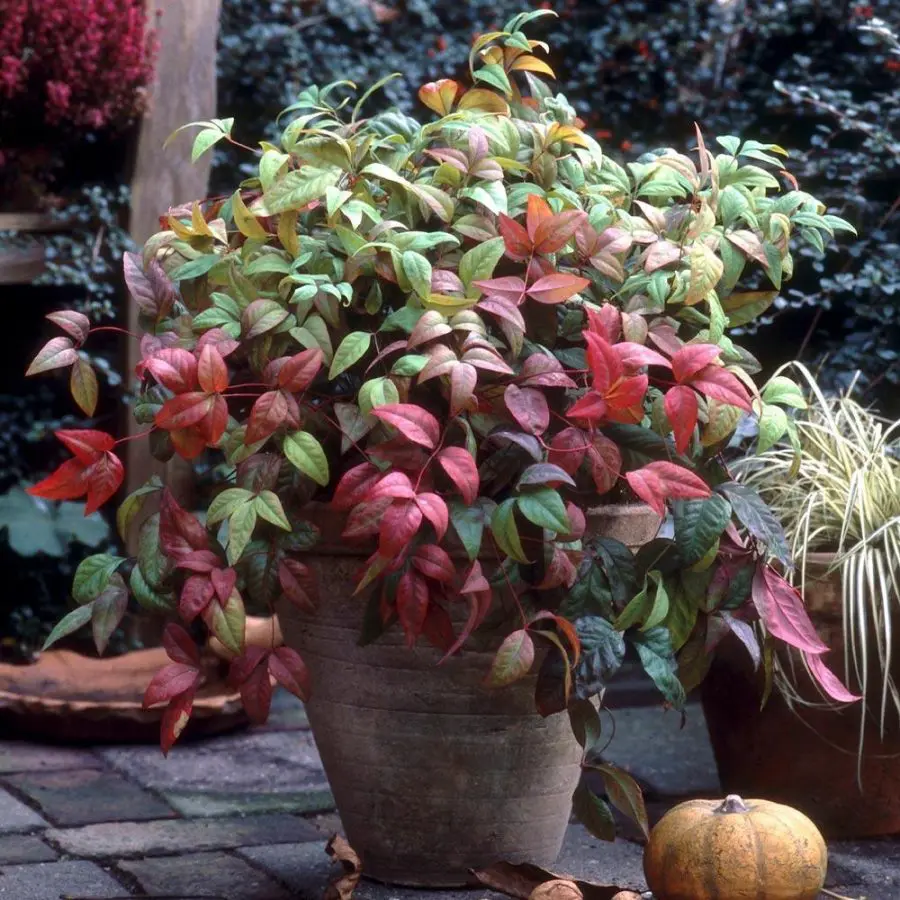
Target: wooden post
x=183, y=90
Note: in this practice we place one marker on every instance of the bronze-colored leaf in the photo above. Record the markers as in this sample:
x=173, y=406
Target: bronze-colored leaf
x=342, y=887
x=522, y=880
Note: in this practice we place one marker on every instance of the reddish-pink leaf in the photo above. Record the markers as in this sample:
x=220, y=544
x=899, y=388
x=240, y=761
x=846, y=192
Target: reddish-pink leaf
x=508, y=289
x=435, y=563
x=627, y=392
x=661, y=253
x=691, y=358
x=604, y=362
x=538, y=212
x=212, y=373
x=395, y=485
x=75, y=324
x=220, y=339
x=567, y=449
x=188, y=442
x=289, y=670
x=475, y=581
x=399, y=524
x=169, y=682
x=542, y=370
x=606, y=463
x=435, y=510
x=201, y=561
x=180, y=533
x=184, y=411
x=635, y=356
x=828, y=681
x=298, y=584
x=560, y=571
x=528, y=407
x=223, y=582
x=438, y=628
x=66, y=483
x=513, y=660
x=175, y=718
x=195, y=597
x=557, y=288
x=213, y=425
x=180, y=646
x=681, y=406
x=505, y=310
x=256, y=695
x=354, y=485
x=552, y=234
x=413, y=422
x=781, y=609
x=605, y=322
x=589, y=408
x=412, y=604
x=243, y=666
x=174, y=368
x=86, y=445
x=515, y=237
x=658, y=482
x=463, y=379
x=57, y=353
x=460, y=467
x=103, y=479
x=722, y=385
x=430, y=326
x=267, y=415
x=479, y=605
x=577, y=523
x=365, y=518
x=300, y=370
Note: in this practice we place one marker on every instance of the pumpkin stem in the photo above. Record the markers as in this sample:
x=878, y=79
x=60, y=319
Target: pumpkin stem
x=732, y=804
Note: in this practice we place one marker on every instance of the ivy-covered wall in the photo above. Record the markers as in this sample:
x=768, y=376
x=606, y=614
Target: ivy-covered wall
x=800, y=73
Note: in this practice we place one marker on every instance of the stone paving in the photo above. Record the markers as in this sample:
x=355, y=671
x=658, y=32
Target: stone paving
x=246, y=817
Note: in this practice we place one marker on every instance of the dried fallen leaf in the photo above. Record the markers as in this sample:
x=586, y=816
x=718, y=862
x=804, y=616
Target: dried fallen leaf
x=341, y=888
x=522, y=880
x=627, y=895
x=559, y=889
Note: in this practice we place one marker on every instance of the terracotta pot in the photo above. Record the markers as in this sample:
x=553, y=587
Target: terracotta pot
x=806, y=758
x=432, y=773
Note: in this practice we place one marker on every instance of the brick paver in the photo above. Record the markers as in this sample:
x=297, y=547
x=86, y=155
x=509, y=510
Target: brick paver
x=204, y=875
x=51, y=881
x=71, y=797
x=18, y=756
x=122, y=839
x=24, y=848
x=16, y=816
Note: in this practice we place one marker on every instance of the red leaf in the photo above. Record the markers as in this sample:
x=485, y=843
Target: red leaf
x=505, y=310
x=289, y=670
x=635, y=356
x=658, y=482
x=475, y=581
x=509, y=289
x=395, y=485
x=605, y=462
x=73, y=323
x=188, y=443
x=223, y=582
x=103, y=479
x=195, y=597
x=604, y=363
x=365, y=518
x=552, y=234
x=180, y=646
x=435, y=563
x=298, y=584
x=537, y=213
x=66, y=483
x=174, y=719
x=560, y=571
x=212, y=373
x=86, y=445
x=528, y=407
x=567, y=449
x=557, y=288
x=605, y=322
x=218, y=338
x=513, y=660
x=256, y=695
x=577, y=523
x=722, y=385
x=429, y=327
x=627, y=392
x=691, y=358
x=180, y=533
x=243, y=666
x=479, y=606
x=515, y=237
x=413, y=422
x=412, y=604
x=828, y=681
x=267, y=415
x=463, y=379
x=57, y=353
x=169, y=682
x=681, y=406
x=435, y=510
x=781, y=609
x=300, y=370
x=541, y=370
x=589, y=408
x=438, y=628
x=174, y=368
x=202, y=561
x=399, y=524
x=184, y=411
x=354, y=485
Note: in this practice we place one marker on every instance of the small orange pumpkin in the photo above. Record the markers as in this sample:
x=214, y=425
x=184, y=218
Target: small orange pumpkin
x=735, y=850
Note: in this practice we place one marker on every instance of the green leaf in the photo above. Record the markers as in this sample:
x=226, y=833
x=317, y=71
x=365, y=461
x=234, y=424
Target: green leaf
x=602, y=654
x=545, y=508
x=660, y=609
x=107, y=612
x=148, y=597
x=784, y=391
x=409, y=365
x=773, y=423
x=585, y=721
x=593, y=813
x=306, y=453
x=228, y=622
x=468, y=523
x=269, y=507
x=494, y=75
x=93, y=574
x=637, y=609
x=698, y=525
x=133, y=503
x=196, y=267
x=240, y=529
x=205, y=139
x=377, y=392
x=226, y=502
x=625, y=794
x=417, y=270
x=506, y=532
x=155, y=565
x=655, y=651
x=296, y=189
x=352, y=349
x=757, y=518
x=683, y=610
x=70, y=622
x=479, y=262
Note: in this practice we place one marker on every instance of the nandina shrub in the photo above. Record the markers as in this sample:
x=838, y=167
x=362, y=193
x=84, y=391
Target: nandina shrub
x=473, y=329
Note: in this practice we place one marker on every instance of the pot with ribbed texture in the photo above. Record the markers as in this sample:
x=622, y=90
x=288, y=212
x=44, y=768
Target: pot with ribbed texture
x=433, y=773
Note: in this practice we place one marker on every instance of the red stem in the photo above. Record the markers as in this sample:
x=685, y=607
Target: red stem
x=114, y=328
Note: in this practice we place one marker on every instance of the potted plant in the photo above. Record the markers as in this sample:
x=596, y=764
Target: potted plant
x=839, y=501
x=454, y=375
